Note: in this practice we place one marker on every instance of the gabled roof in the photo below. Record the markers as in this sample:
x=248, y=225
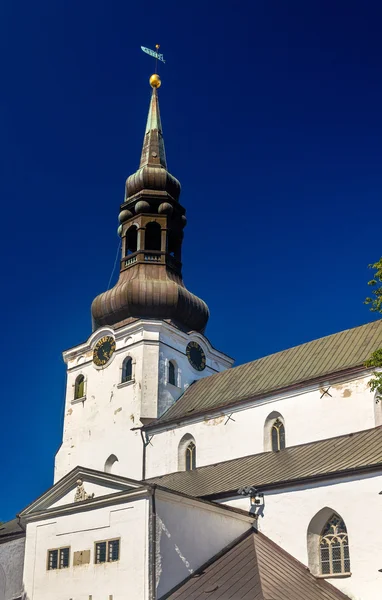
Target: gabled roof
x=115, y=483
x=10, y=531
x=254, y=568
x=360, y=451
x=310, y=362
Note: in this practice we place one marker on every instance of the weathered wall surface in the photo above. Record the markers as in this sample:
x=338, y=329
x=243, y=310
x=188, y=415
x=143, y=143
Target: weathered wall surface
x=11, y=569
x=309, y=415
x=189, y=534
x=80, y=531
x=289, y=512
x=101, y=423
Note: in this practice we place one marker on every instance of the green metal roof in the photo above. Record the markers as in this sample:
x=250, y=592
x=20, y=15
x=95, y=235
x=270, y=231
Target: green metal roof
x=316, y=360
x=325, y=458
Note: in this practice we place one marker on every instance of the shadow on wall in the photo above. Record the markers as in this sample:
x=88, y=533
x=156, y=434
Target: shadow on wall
x=3, y=581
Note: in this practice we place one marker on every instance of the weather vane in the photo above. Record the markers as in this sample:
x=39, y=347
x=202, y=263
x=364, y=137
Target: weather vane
x=154, y=79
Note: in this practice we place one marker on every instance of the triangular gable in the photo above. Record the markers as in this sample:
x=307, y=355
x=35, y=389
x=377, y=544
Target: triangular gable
x=92, y=482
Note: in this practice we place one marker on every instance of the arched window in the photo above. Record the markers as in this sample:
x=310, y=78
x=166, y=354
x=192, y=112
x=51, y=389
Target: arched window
x=79, y=387
x=278, y=435
x=334, y=547
x=127, y=370
x=153, y=236
x=274, y=432
x=187, y=453
x=328, y=544
x=131, y=240
x=172, y=372
x=110, y=465
x=190, y=458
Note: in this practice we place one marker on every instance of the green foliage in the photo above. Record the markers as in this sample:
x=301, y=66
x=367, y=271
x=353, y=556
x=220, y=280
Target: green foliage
x=375, y=301
x=375, y=384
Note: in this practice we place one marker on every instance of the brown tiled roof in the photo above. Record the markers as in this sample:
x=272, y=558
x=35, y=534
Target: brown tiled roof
x=255, y=568
x=312, y=361
x=352, y=452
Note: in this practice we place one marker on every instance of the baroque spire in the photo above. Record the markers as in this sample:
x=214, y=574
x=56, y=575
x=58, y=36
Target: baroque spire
x=150, y=283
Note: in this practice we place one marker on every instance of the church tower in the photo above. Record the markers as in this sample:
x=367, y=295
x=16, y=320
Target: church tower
x=147, y=344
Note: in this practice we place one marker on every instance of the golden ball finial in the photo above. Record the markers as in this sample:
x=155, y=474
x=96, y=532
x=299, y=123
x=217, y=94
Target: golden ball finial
x=155, y=81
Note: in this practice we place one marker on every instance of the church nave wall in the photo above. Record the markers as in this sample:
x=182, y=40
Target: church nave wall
x=309, y=415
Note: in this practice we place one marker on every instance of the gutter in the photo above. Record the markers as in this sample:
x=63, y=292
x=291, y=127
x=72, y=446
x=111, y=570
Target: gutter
x=269, y=487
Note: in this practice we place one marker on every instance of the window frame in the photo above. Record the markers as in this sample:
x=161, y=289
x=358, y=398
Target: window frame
x=343, y=538
x=107, y=553
x=190, y=456
x=77, y=385
x=127, y=360
x=58, y=550
x=172, y=365
x=279, y=427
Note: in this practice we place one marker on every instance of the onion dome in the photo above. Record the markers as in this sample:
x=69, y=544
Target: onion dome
x=152, y=221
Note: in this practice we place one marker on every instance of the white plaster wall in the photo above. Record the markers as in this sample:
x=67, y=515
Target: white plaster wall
x=189, y=534
x=11, y=568
x=307, y=417
x=102, y=423
x=80, y=531
x=287, y=515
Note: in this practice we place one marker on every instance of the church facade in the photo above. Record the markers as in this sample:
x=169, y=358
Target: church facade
x=180, y=476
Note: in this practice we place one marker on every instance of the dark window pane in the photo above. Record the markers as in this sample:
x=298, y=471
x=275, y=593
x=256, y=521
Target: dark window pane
x=101, y=552
x=127, y=370
x=281, y=436
x=113, y=550
x=171, y=373
x=64, y=558
x=325, y=567
x=275, y=439
x=52, y=559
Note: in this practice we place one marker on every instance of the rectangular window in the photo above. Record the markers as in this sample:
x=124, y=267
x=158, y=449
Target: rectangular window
x=58, y=558
x=107, y=551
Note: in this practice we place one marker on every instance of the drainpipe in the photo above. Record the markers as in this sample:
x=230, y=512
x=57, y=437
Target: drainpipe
x=143, y=456
x=153, y=546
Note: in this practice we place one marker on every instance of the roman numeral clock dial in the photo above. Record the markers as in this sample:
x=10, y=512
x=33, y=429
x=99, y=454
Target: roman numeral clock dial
x=103, y=351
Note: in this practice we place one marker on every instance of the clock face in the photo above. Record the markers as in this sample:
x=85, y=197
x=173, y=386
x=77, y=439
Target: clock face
x=103, y=350
x=196, y=356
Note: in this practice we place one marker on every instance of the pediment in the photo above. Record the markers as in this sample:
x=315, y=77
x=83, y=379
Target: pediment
x=79, y=485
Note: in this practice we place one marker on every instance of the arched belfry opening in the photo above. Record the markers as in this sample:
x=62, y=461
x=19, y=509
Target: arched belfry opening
x=153, y=236
x=131, y=240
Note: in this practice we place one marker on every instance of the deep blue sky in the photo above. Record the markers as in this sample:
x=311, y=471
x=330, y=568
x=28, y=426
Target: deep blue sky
x=273, y=124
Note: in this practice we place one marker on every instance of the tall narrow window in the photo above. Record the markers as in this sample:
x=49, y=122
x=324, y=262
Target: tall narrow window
x=191, y=457
x=334, y=548
x=171, y=373
x=278, y=436
x=127, y=370
x=79, y=387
